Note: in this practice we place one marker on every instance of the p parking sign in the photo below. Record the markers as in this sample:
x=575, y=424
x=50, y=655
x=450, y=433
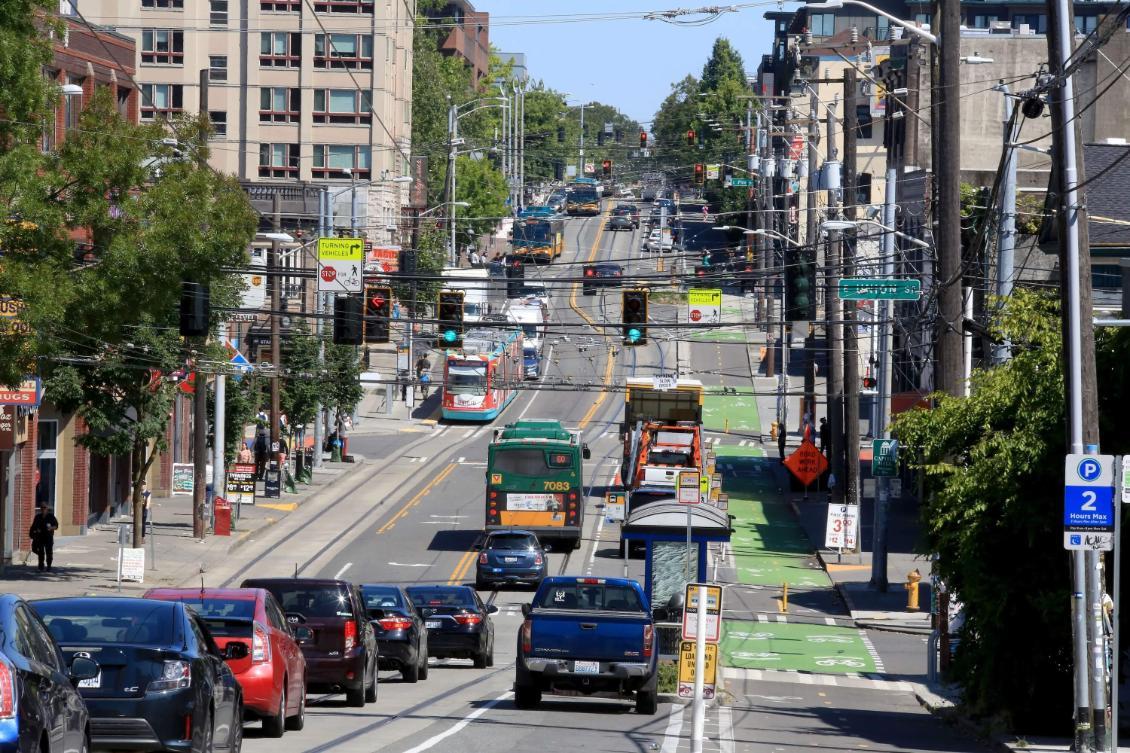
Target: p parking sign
x=1088, y=502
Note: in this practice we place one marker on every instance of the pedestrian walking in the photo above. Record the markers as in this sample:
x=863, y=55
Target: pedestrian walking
x=42, y=535
x=146, y=497
x=825, y=435
x=262, y=453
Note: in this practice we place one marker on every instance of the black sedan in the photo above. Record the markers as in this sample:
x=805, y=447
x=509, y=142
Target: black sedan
x=621, y=221
x=402, y=639
x=163, y=683
x=459, y=624
x=40, y=710
x=604, y=274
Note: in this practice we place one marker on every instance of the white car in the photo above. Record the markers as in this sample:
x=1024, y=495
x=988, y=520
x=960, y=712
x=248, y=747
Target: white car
x=665, y=243
x=653, y=240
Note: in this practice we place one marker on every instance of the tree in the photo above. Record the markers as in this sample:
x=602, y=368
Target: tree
x=431, y=252
x=484, y=189
x=341, y=379
x=301, y=389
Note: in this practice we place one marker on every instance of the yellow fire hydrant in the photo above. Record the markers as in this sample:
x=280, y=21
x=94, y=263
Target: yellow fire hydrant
x=911, y=586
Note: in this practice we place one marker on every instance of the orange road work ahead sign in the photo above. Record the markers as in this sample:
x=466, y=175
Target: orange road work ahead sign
x=807, y=463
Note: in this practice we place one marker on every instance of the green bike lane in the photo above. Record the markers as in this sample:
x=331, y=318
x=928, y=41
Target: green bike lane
x=769, y=548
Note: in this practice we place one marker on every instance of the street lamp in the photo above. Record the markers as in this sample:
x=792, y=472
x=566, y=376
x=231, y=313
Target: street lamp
x=841, y=225
x=912, y=28
x=437, y=207
x=767, y=233
x=453, y=117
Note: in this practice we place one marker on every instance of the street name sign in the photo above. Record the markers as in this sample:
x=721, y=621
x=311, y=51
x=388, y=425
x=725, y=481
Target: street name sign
x=340, y=263
x=1088, y=502
x=741, y=182
x=865, y=289
x=884, y=457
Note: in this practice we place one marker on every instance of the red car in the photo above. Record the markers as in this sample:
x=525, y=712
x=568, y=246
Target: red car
x=273, y=674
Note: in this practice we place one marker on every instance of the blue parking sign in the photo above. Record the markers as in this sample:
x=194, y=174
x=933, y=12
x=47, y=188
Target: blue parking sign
x=1088, y=507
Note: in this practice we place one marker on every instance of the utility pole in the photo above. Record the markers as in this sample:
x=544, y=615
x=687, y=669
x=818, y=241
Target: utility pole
x=1079, y=356
x=765, y=200
x=319, y=325
x=581, y=154
x=1006, y=224
x=522, y=146
x=850, y=336
x=811, y=232
x=273, y=286
x=200, y=382
x=449, y=184
x=948, y=376
x=834, y=381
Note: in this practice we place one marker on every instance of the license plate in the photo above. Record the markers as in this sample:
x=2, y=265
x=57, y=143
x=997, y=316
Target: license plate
x=586, y=667
x=509, y=559
x=93, y=682
x=433, y=624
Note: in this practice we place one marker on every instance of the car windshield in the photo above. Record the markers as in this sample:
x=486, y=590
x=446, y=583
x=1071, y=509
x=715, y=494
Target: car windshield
x=511, y=542
x=530, y=353
x=608, y=269
x=381, y=597
x=538, y=291
x=466, y=380
x=530, y=331
x=313, y=601
x=595, y=596
x=141, y=621
x=442, y=597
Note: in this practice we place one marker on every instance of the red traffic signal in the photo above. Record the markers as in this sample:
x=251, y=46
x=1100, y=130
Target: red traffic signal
x=869, y=383
x=377, y=300
x=690, y=137
x=699, y=173
x=590, y=271
x=643, y=139
x=606, y=167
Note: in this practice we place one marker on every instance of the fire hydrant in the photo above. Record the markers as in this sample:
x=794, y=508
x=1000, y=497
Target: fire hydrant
x=911, y=586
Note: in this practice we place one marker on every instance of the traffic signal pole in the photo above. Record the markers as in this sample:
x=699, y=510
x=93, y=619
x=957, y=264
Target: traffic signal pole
x=851, y=334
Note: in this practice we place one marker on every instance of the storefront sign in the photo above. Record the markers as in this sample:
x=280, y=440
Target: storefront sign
x=240, y=484
x=26, y=393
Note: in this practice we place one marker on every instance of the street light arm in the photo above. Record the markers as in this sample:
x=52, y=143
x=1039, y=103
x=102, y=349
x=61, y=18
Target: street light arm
x=773, y=234
x=834, y=4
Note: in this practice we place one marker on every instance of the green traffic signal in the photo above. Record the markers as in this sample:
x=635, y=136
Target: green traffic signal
x=633, y=335
x=450, y=335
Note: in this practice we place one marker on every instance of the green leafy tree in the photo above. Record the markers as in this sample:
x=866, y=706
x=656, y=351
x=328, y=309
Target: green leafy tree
x=431, y=252
x=479, y=184
x=301, y=390
x=341, y=378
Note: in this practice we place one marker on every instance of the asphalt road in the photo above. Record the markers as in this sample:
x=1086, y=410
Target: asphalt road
x=413, y=512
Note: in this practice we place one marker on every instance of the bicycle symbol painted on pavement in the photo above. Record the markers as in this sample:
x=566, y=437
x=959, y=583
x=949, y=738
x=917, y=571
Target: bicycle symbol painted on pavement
x=841, y=639
x=839, y=661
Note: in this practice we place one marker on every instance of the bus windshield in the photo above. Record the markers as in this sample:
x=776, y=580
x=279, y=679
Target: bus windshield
x=467, y=380
x=532, y=232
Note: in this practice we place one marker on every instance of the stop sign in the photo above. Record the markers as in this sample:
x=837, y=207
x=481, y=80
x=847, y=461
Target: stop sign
x=329, y=274
x=695, y=315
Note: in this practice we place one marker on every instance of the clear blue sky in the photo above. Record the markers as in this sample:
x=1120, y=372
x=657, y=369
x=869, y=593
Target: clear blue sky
x=629, y=64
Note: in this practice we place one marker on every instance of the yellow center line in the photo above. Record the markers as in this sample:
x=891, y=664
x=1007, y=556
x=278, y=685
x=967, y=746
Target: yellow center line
x=460, y=571
x=584, y=315
x=416, y=499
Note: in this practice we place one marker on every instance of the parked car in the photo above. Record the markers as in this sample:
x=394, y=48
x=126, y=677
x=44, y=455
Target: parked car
x=513, y=556
x=458, y=623
x=329, y=620
x=603, y=274
x=41, y=711
x=402, y=639
x=587, y=635
x=273, y=676
x=163, y=683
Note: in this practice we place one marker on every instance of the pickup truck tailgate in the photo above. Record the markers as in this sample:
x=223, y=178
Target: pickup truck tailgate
x=607, y=636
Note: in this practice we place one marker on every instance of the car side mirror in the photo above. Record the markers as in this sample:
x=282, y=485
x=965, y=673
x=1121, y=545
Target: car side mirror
x=492, y=609
x=586, y=453
x=302, y=634
x=526, y=609
x=83, y=668
x=236, y=650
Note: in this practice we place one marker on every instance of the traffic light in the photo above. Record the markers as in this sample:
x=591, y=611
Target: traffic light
x=347, y=320
x=643, y=139
x=606, y=168
x=869, y=382
x=600, y=138
x=699, y=173
x=194, y=309
x=449, y=312
x=515, y=274
x=378, y=312
x=800, y=285
x=690, y=137
x=633, y=316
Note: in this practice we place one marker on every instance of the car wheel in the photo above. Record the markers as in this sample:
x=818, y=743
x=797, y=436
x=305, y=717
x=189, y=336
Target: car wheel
x=204, y=742
x=355, y=697
x=480, y=660
x=411, y=674
x=235, y=740
x=526, y=696
x=371, y=690
x=275, y=725
x=647, y=702
x=490, y=655
x=298, y=721
x=424, y=666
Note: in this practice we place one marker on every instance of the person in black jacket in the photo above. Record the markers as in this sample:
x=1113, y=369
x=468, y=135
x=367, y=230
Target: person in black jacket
x=42, y=535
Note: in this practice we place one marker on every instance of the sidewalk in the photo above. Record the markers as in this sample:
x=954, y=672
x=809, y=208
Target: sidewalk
x=87, y=565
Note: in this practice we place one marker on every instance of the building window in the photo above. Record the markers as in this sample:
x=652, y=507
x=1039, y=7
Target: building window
x=1037, y=22
x=343, y=51
x=863, y=189
x=1106, y=277
x=219, y=120
x=330, y=160
x=922, y=20
x=822, y=24
x=217, y=67
x=278, y=104
x=218, y=12
x=1086, y=24
x=280, y=49
x=162, y=46
x=46, y=458
x=161, y=99
x=344, y=6
x=280, y=6
x=882, y=28
x=173, y=4
x=278, y=160
x=72, y=106
x=863, y=121
x=123, y=101
x=342, y=106
x=981, y=21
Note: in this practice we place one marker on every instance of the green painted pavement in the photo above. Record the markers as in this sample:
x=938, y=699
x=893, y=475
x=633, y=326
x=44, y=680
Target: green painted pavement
x=768, y=544
x=718, y=335
x=741, y=410
x=823, y=649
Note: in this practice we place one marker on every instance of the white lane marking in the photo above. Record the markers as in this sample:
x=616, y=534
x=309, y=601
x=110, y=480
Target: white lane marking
x=441, y=431
x=437, y=739
x=406, y=564
x=341, y=572
x=879, y=667
x=674, y=729
x=829, y=620
x=468, y=434
x=479, y=431
x=548, y=359
x=449, y=516
x=595, y=543
x=461, y=459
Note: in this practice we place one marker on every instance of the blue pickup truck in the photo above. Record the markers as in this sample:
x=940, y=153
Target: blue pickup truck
x=587, y=635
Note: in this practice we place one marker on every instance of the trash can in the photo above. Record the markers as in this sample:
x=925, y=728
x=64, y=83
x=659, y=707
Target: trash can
x=222, y=509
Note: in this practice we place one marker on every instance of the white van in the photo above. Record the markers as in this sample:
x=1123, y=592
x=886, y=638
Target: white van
x=474, y=283
x=531, y=315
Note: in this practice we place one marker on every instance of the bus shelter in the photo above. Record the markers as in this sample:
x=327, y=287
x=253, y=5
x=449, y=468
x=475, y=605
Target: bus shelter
x=661, y=527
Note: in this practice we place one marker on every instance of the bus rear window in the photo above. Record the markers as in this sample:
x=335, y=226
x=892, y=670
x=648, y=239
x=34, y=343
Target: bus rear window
x=520, y=462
